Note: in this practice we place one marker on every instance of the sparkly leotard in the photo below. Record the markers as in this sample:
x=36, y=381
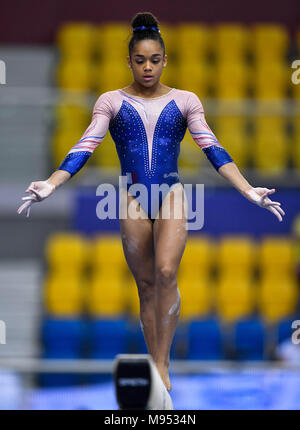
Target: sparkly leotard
x=147, y=133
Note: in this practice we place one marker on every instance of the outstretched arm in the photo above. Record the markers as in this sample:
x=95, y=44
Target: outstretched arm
x=75, y=158
x=40, y=190
x=258, y=195
x=222, y=161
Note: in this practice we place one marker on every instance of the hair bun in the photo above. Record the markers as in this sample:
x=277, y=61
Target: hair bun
x=144, y=19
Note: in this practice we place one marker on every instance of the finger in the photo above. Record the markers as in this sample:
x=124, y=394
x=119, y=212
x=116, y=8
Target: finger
x=275, y=212
x=275, y=205
x=281, y=211
x=269, y=203
x=32, y=197
x=267, y=192
x=20, y=209
x=32, y=186
x=35, y=193
x=23, y=206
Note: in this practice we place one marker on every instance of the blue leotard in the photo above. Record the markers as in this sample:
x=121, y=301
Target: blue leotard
x=147, y=134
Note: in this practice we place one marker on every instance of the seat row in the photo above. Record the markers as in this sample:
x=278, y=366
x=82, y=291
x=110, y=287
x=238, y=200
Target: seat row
x=201, y=339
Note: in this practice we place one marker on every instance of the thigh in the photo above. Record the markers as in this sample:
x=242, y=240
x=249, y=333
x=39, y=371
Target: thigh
x=137, y=241
x=170, y=234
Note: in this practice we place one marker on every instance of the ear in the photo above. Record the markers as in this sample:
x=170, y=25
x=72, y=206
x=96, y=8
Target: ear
x=128, y=62
x=165, y=60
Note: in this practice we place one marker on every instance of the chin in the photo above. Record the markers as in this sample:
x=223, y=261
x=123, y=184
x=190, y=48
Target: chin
x=148, y=84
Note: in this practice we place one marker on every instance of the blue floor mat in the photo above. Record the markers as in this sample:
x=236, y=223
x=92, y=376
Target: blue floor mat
x=255, y=389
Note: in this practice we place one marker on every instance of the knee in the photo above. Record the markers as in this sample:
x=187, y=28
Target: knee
x=165, y=276
x=146, y=288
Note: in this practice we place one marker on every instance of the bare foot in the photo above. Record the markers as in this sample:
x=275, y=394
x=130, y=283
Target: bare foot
x=164, y=374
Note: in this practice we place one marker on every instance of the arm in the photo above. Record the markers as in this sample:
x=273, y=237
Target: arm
x=221, y=160
x=258, y=195
x=75, y=158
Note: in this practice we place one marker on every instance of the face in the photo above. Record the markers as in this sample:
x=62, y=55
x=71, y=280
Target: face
x=147, y=60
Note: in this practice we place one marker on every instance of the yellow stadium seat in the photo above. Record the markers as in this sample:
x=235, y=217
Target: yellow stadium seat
x=169, y=74
x=270, y=153
x=270, y=80
x=75, y=75
x=230, y=123
x=276, y=255
x=62, y=142
x=132, y=298
x=237, y=144
x=296, y=239
x=108, y=254
x=231, y=80
x=106, y=295
x=235, y=297
x=198, y=257
x=192, y=41
x=67, y=253
x=236, y=255
x=76, y=40
x=269, y=41
x=296, y=155
x=270, y=148
x=273, y=124
x=296, y=226
x=196, y=296
x=277, y=296
x=168, y=33
x=111, y=74
x=194, y=76
x=296, y=143
x=190, y=157
x=230, y=41
x=296, y=90
x=64, y=293
x=106, y=155
x=112, y=40
x=67, y=114
x=231, y=132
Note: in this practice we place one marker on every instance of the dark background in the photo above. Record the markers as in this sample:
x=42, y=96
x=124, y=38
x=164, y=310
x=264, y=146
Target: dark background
x=36, y=21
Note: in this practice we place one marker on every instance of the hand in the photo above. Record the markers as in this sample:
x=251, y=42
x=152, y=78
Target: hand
x=259, y=195
x=39, y=191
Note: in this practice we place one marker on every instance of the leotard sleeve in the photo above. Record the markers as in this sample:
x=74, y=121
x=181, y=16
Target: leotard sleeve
x=203, y=135
x=92, y=137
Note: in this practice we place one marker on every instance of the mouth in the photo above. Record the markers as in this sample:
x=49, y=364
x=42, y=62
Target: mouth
x=147, y=77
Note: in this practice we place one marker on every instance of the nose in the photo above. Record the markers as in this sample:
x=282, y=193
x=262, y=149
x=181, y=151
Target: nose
x=148, y=66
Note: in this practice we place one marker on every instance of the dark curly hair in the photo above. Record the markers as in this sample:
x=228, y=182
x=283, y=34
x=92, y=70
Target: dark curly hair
x=146, y=19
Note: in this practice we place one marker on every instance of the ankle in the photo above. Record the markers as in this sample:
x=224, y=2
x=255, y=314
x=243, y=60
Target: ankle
x=162, y=363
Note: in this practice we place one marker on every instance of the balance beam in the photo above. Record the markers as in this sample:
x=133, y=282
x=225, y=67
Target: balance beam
x=138, y=384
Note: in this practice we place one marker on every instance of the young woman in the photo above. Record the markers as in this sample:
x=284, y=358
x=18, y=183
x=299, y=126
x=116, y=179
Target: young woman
x=147, y=121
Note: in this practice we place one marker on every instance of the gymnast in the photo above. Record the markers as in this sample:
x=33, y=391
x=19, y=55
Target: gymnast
x=147, y=121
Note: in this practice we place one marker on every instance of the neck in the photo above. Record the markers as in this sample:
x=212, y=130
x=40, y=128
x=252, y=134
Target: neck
x=142, y=91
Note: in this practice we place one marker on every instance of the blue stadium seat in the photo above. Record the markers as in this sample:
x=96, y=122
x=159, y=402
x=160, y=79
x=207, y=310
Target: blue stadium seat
x=107, y=338
x=205, y=341
x=64, y=336
x=249, y=339
x=137, y=341
x=178, y=347
x=62, y=339
x=284, y=330
x=138, y=344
